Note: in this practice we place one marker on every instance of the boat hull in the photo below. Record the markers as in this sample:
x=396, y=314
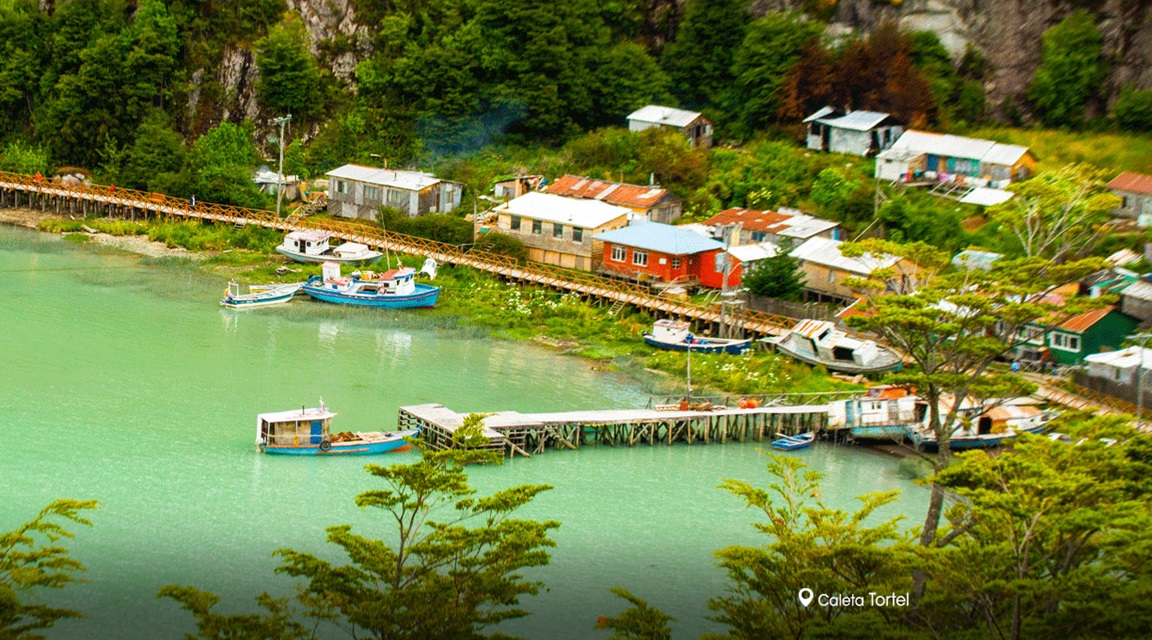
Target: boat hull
x=425, y=296
x=327, y=257
x=278, y=295
x=734, y=347
x=391, y=442
x=792, y=443
x=891, y=363
x=962, y=443
x=886, y=433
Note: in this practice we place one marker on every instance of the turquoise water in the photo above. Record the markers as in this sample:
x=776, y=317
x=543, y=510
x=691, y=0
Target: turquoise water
x=126, y=383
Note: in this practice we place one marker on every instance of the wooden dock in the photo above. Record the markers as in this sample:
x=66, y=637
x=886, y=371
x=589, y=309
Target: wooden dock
x=528, y=434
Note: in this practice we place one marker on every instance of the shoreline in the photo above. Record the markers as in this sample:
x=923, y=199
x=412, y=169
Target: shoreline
x=137, y=244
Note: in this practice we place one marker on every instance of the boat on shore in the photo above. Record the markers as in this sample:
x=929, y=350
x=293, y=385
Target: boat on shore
x=792, y=443
x=819, y=342
x=307, y=432
x=258, y=295
x=312, y=246
x=393, y=289
x=676, y=335
x=882, y=414
x=984, y=427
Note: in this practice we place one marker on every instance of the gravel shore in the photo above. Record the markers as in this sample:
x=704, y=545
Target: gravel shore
x=140, y=244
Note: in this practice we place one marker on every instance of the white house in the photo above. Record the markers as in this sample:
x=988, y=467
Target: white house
x=693, y=124
x=935, y=156
x=861, y=133
x=356, y=191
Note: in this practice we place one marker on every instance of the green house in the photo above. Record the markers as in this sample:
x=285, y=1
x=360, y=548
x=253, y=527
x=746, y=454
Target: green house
x=1095, y=331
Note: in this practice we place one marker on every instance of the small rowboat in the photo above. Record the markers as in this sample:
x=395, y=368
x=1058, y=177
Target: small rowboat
x=259, y=295
x=791, y=443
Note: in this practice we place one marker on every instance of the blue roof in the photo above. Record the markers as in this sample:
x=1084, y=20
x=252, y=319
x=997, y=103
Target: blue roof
x=664, y=238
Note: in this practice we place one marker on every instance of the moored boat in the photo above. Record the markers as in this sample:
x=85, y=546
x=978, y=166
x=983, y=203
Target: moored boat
x=393, y=289
x=985, y=427
x=259, y=295
x=676, y=335
x=883, y=413
x=820, y=342
x=312, y=246
x=792, y=443
x=307, y=432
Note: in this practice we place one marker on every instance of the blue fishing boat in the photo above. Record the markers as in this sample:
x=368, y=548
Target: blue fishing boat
x=792, y=443
x=675, y=335
x=259, y=295
x=393, y=289
x=307, y=432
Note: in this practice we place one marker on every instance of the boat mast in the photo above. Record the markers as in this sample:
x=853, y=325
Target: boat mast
x=280, y=176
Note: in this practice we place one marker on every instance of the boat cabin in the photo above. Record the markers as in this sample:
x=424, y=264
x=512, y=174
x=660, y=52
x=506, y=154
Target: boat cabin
x=302, y=428
x=394, y=282
x=312, y=242
x=886, y=405
x=672, y=331
x=823, y=340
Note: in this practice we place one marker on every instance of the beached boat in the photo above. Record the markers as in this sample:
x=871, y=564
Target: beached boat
x=307, y=432
x=820, y=342
x=985, y=427
x=393, y=289
x=676, y=335
x=792, y=443
x=312, y=246
x=259, y=295
x=883, y=413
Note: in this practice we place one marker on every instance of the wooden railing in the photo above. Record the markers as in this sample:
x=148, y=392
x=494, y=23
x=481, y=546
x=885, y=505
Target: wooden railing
x=115, y=200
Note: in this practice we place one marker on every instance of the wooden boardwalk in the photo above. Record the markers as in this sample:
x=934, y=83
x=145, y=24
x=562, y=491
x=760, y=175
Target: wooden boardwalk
x=19, y=190
x=528, y=434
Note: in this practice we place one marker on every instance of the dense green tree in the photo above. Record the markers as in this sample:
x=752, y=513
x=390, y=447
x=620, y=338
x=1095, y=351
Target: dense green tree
x=503, y=244
x=809, y=545
x=18, y=157
x=1072, y=67
x=220, y=165
x=1057, y=214
x=455, y=567
x=289, y=76
x=1133, y=109
x=908, y=219
x=151, y=62
x=843, y=198
x=23, y=52
x=32, y=558
x=772, y=46
x=699, y=60
x=627, y=79
x=777, y=277
x=154, y=160
x=638, y=622
x=88, y=111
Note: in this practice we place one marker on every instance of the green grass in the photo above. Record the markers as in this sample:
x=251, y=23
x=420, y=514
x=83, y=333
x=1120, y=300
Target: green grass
x=1114, y=152
x=112, y=226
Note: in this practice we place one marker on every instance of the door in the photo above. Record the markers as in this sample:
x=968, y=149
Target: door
x=825, y=136
x=317, y=432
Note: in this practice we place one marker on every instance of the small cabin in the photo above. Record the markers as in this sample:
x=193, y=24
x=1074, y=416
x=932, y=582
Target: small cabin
x=306, y=427
x=672, y=331
x=312, y=243
x=884, y=405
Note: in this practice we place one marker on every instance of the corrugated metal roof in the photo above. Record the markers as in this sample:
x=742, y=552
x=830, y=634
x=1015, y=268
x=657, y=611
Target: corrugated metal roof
x=754, y=252
x=664, y=115
x=791, y=223
x=621, y=193
x=664, y=238
x=588, y=214
x=975, y=259
x=820, y=113
x=398, y=179
x=826, y=252
x=1141, y=290
x=1082, y=322
x=952, y=146
x=1123, y=359
x=987, y=196
x=856, y=120
x=1132, y=181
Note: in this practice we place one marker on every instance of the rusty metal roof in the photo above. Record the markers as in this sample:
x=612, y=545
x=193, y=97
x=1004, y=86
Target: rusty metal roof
x=1084, y=321
x=618, y=193
x=1132, y=181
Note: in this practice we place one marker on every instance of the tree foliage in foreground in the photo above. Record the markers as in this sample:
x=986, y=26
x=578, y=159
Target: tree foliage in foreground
x=451, y=563
x=32, y=558
x=777, y=277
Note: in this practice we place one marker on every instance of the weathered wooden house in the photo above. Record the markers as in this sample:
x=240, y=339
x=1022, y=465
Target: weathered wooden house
x=782, y=227
x=559, y=230
x=825, y=269
x=1084, y=334
x=692, y=124
x=1136, y=300
x=860, y=133
x=1135, y=191
x=355, y=191
x=653, y=201
x=933, y=156
x=658, y=252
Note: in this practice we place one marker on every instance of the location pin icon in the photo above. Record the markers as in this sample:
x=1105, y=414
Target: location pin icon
x=805, y=596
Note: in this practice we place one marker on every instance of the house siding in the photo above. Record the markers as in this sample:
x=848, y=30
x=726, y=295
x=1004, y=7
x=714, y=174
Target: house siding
x=563, y=251
x=355, y=202
x=699, y=267
x=1132, y=204
x=1106, y=335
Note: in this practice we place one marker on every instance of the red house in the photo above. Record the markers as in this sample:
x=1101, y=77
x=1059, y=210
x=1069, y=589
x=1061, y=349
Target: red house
x=668, y=254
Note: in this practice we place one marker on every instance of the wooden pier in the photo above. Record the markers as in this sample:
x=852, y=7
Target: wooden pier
x=528, y=434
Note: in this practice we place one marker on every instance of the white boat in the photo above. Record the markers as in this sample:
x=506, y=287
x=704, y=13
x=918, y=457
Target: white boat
x=259, y=295
x=820, y=342
x=312, y=246
x=676, y=335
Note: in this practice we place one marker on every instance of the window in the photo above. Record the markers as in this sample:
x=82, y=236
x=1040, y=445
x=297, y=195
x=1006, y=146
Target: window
x=1124, y=204
x=758, y=236
x=1065, y=341
x=371, y=193
x=676, y=263
x=537, y=227
x=640, y=258
x=341, y=186
x=577, y=234
x=1032, y=334
x=557, y=230
x=618, y=253
x=515, y=223
x=399, y=199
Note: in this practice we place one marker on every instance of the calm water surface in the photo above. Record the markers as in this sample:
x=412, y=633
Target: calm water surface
x=127, y=384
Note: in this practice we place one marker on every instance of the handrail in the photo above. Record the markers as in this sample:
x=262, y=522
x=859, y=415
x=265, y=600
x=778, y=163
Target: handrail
x=580, y=282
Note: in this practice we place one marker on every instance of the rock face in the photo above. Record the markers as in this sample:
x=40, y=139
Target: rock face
x=335, y=21
x=238, y=75
x=1007, y=32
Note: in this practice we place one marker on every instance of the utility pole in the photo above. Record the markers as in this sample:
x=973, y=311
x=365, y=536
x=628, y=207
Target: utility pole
x=724, y=332
x=280, y=174
x=1143, y=337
